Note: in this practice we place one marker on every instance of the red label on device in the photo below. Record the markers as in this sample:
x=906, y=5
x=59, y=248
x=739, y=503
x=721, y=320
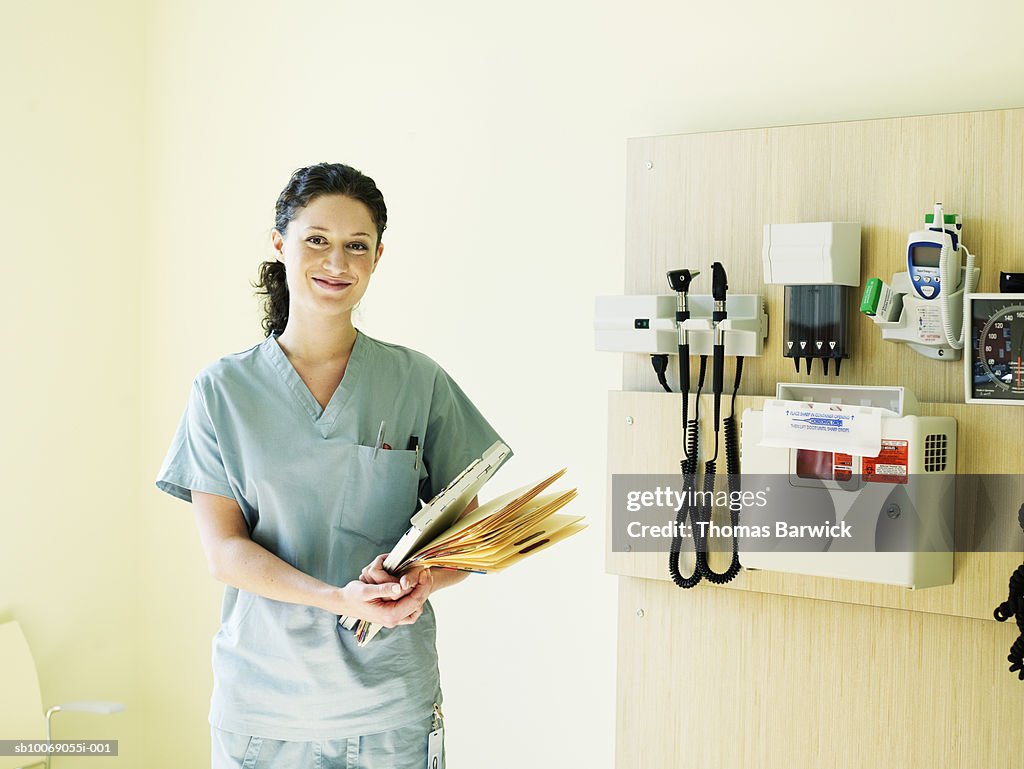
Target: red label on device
x=890, y=466
x=843, y=466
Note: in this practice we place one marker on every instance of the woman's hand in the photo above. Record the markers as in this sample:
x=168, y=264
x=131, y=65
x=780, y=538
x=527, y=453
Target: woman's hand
x=376, y=574
x=389, y=602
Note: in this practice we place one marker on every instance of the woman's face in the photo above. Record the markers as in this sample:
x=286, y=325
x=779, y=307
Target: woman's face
x=329, y=252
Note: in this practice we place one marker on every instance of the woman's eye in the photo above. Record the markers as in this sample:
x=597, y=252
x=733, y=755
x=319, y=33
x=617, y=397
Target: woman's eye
x=315, y=240
x=358, y=246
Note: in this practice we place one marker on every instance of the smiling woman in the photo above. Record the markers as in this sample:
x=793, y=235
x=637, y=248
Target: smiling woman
x=304, y=457
x=305, y=186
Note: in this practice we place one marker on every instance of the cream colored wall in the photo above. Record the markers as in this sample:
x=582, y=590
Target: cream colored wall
x=498, y=135
x=490, y=265
x=73, y=249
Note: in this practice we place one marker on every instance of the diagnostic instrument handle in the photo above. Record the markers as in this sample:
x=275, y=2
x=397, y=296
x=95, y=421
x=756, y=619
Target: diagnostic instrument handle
x=719, y=287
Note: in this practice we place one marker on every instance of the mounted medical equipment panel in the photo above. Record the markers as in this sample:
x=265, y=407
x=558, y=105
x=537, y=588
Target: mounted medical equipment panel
x=859, y=456
x=711, y=193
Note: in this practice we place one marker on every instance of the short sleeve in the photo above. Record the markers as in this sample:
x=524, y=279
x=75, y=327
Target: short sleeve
x=194, y=460
x=457, y=433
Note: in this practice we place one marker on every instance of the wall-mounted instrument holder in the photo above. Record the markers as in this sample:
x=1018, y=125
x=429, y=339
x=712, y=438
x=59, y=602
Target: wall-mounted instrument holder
x=647, y=324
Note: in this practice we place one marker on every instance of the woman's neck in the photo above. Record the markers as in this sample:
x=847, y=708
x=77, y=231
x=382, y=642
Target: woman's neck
x=318, y=342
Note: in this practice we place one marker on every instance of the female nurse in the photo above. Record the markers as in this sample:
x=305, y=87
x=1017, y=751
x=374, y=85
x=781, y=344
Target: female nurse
x=304, y=457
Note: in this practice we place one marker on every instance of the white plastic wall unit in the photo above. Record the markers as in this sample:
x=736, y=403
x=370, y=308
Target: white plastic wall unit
x=876, y=422
x=646, y=324
x=812, y=253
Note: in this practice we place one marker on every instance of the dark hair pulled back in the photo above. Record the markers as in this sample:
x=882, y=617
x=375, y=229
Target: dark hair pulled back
x=305, y=185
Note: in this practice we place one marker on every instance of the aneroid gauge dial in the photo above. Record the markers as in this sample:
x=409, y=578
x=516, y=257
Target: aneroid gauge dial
x=994, y=367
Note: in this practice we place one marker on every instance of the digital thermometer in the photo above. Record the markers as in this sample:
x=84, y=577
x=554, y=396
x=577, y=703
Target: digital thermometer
x=926, y=250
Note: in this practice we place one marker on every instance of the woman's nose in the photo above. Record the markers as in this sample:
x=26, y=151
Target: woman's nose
x=337, y=259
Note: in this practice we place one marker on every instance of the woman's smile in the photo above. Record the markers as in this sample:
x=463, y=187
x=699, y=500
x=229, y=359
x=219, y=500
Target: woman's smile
x=333, y=285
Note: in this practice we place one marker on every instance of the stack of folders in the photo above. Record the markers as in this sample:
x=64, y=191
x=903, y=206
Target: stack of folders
x=492, y=537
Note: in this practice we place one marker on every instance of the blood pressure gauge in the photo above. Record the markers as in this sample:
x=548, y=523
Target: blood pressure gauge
x=994, y=369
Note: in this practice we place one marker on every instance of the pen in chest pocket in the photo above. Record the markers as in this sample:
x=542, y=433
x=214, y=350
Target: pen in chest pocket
x=379, y=443
x=414, y=445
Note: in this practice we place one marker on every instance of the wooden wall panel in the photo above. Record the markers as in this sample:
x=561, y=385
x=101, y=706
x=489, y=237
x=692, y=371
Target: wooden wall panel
x=779, y=670
x=724, y=678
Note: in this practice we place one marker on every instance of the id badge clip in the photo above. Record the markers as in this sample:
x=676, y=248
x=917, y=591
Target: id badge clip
x=435, y=740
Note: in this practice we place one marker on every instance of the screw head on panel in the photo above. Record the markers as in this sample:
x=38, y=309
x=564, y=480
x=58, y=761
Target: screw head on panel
x=629, y=420
x=649, y=164
x=640, y=613
x=893, y=511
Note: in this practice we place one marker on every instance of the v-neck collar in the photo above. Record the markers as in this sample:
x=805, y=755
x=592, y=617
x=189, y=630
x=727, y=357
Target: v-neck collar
x=323, y=418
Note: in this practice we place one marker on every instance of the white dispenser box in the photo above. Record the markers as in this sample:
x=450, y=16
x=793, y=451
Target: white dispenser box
x=887, y=472
x=812, y=253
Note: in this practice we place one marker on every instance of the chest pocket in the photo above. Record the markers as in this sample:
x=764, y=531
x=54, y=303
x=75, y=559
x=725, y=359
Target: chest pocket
x=379, y=495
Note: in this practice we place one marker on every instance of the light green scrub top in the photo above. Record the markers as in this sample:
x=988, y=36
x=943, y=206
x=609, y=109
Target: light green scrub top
x=313, y=493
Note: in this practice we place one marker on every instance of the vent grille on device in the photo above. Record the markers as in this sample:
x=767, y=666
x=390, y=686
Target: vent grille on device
x=934, y=453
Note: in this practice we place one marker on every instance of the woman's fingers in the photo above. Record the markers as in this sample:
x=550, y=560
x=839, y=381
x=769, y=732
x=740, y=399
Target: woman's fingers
x=391, y=602
x=375, y=573
x=417, y=576
x=408, y=608
x=388, y=591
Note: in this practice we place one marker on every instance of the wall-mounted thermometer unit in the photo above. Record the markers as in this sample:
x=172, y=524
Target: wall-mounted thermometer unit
x=940, y=270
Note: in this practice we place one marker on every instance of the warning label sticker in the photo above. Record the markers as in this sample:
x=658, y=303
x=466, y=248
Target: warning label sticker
x=890, y=466
x=929, y=323
x=842, y=467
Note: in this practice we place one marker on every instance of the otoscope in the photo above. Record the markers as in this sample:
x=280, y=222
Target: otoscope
x=679, y=281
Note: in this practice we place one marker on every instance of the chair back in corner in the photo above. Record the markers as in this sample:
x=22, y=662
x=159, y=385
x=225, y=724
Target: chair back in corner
x=21, y=703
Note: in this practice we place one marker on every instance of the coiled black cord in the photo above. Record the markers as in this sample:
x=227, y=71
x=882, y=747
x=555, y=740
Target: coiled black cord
x=732, y=463
x=688, y=465
x=1013, y=606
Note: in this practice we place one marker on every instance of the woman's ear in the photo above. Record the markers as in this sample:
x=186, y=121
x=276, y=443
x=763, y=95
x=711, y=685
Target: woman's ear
x=277, y=241
x=376, y=260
